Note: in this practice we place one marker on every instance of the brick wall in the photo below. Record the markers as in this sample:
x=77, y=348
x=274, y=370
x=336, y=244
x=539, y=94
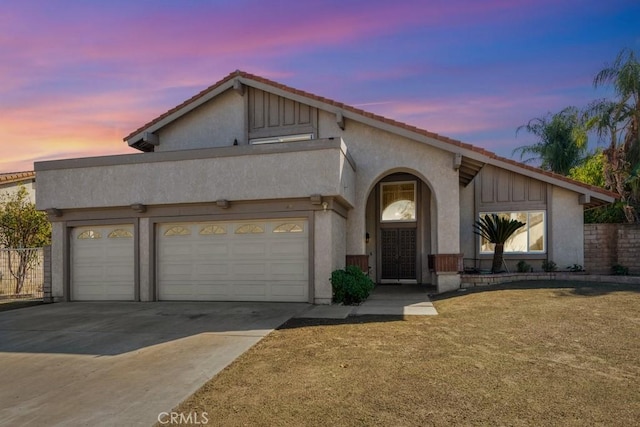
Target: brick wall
x=609, y=244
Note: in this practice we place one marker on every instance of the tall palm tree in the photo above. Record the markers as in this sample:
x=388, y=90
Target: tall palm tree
x=562, y=141
x=619, y=121
x=497, y=230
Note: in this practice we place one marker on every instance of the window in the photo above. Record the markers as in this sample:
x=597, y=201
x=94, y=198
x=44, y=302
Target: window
x=177, y=231
x=212, y=229
x=90, y=234
x=398, y=201
x=529, y=238
x=119, y=233
x=249, y=229
x=288, y=228
x=286, y=138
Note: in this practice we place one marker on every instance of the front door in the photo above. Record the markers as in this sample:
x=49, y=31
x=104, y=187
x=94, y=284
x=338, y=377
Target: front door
x=398, y=222
x=398, y=254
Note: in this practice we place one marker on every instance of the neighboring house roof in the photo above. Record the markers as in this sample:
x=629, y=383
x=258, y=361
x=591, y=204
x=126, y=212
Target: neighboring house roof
x=14, y=177
x=472, y=158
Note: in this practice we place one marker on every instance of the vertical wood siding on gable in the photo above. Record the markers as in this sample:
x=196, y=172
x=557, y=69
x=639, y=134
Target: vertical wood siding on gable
x=272, y=115
x=499, y=189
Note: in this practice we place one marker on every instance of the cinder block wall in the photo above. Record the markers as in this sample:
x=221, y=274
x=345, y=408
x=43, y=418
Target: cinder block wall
x=629, y=247
x=46, y=286
x=609, y=244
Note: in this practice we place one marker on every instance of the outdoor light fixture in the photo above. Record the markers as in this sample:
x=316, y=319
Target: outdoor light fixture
x=54, y=212
x=366, y=237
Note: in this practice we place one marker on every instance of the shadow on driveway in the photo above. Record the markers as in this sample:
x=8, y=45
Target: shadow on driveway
x=111, y=328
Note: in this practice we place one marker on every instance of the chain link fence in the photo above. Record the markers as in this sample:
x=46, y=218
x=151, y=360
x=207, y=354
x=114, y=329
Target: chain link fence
x=21, y=273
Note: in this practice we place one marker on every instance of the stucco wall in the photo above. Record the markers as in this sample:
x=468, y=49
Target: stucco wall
x=214, y=124
x=9, y=190
x=57, y=260
x=378, y=153
x=329, y=252
x=566, y=229
x=467, y=219
x=265, y=175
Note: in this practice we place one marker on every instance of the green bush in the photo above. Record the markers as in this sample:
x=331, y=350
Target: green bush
x=620, y=270
x=523, y=267
x=350, y=286
x=575, y=268
x=549, y=266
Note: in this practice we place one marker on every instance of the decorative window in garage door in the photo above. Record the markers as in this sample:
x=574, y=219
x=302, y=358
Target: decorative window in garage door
x=288, y=228
x=249, y=229
x=212, y=229
x=177, y=230
x=119, y=233
x=90, y=234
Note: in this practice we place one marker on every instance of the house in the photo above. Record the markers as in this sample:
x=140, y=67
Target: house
x=252, y=190
x=10, y=183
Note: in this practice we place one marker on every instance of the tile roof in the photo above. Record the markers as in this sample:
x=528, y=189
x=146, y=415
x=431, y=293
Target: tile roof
x=382, y=119
x=10, y=177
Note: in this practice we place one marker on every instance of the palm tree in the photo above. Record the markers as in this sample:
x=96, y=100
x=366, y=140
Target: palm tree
x=619, y=121
x=562, y=141
x=497, y=230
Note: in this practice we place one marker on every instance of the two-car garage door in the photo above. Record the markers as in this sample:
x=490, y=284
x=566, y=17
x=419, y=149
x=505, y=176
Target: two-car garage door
x=265, y=260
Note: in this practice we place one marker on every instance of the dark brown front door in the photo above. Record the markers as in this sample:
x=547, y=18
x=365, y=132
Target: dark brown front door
x=398, y=253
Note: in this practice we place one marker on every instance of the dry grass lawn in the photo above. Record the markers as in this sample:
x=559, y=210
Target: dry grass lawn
x=540, y=354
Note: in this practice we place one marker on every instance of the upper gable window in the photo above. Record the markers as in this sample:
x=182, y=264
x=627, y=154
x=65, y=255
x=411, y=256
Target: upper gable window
x=286, y=138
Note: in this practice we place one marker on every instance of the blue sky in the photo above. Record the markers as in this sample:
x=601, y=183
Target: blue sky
x=77, y=76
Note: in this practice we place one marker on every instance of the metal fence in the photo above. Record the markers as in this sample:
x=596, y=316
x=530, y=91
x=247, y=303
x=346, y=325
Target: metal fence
x=21, y=273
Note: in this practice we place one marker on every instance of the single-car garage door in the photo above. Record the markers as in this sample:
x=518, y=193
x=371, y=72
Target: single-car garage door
x=102, y=263
x=264, y=260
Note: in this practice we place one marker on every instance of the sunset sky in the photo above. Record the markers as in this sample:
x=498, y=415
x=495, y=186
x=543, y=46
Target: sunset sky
x=77, y=76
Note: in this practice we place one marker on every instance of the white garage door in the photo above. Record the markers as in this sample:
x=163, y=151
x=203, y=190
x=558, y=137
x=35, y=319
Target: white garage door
x=234, y=261
x=102, y=263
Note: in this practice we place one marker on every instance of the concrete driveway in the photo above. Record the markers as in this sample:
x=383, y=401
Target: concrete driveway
x=120, y=363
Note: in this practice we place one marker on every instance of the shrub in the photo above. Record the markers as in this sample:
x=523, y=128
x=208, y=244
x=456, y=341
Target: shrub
x=350, y=286
x=575, y=268
x=549, y=266
x=619, y=270
x=523, y=267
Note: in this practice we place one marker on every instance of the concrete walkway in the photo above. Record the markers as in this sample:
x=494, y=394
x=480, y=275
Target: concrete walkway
x=392, y=300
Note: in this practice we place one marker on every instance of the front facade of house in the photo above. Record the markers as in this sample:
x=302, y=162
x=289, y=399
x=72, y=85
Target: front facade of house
x=255, y=191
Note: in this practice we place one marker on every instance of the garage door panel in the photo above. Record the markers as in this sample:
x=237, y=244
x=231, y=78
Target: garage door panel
x=102, y=263
x=296, y=249
x=250, y=248
x=211, y=270
x=234, y=261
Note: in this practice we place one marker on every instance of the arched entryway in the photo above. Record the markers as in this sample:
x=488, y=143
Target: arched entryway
x=398, y=229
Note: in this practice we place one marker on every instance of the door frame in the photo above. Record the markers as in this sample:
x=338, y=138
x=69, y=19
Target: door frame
x=399, y=177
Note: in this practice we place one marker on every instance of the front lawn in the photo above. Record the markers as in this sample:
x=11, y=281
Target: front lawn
x=531, y=356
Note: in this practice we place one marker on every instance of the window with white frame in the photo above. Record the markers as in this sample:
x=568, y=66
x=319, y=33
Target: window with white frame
x=530, y=238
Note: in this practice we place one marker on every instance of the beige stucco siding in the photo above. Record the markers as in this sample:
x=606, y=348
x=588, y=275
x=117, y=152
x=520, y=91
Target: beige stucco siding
x=9, y=190
x=58, y=231
x=566, y=229
x=216, y=123
x=329, y=252
x=248, y=177
x=467, y=218
x=379, y=153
